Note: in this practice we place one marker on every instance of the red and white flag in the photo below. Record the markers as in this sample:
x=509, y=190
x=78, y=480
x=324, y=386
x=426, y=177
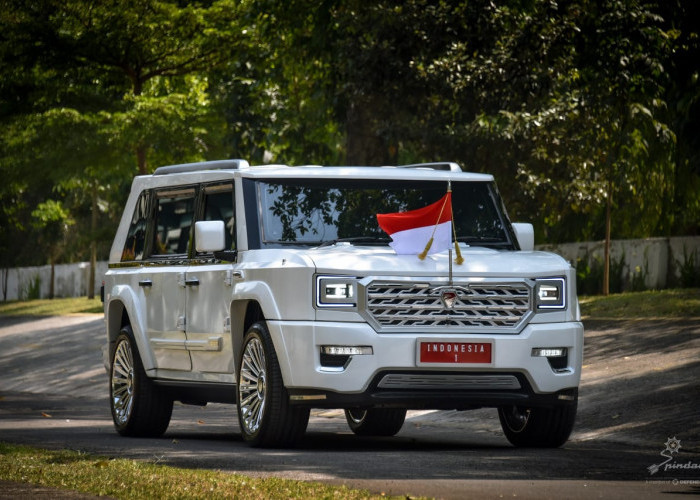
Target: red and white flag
x=412, y=231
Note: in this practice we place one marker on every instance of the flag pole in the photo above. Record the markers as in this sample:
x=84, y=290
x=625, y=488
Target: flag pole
x=449, y=259
x=459, y=260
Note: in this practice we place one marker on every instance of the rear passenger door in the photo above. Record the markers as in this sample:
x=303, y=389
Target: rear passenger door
x=208, y=302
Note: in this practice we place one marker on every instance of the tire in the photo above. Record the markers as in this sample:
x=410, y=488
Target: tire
x=139, y=407
x=265, y=416
x=538, y=427
x=375, y=421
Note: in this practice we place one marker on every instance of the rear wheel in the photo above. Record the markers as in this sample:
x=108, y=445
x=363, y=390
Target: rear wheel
x=139, y=407
x=375, y=421
x=264, y=414
x=538, y=427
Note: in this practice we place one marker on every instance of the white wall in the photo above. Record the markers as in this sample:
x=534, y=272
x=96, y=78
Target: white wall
x=71, y=280
x=658, y=260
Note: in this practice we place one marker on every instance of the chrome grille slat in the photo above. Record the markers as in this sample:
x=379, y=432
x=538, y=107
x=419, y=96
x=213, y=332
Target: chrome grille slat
x=502, y=307
x=414, y=307
x=436, y=316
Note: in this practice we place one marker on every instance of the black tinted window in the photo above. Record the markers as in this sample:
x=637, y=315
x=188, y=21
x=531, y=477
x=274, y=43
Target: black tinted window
x=174, y=213
x=218, y=205
x=316, y=211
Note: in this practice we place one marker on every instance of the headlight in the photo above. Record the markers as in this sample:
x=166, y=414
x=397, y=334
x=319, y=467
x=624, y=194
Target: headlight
x=336, y=291
x=550, y=293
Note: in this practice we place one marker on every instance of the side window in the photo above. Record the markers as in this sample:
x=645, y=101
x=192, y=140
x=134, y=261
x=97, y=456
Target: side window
x=174, y=213
x=218, y=205
x=136, y=237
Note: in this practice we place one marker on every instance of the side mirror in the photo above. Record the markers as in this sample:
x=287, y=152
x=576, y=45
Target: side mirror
x=209, y=236
x=526, y=236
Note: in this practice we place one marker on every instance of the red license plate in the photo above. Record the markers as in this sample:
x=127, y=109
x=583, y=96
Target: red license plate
x=455, y=352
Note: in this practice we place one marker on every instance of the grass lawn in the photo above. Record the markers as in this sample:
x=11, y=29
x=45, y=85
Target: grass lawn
x=131, y=479
x=53, y=307
x=673, y=304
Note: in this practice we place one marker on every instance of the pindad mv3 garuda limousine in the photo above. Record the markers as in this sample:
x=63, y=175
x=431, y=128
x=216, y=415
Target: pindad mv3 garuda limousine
x=372, y=289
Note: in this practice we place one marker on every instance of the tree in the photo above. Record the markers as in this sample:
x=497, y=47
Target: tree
x=96, y=89
x=134, y=44
x=53, y=220
x=682, y=201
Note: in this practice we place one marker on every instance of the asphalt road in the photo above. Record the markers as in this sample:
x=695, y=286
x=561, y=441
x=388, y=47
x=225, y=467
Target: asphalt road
x=640, y=389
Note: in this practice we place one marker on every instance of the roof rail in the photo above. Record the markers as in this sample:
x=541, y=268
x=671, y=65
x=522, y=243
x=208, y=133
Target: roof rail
x=448, y=166
x=202, y=165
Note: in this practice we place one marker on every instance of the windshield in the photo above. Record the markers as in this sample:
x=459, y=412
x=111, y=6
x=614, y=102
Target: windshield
x=317, y=211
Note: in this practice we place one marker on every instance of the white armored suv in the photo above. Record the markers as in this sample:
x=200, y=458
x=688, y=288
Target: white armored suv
x=275, y=288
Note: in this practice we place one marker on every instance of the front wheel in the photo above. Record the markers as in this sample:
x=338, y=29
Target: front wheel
x=375, y=421
x=264, y=414
x=538, y=427
x=139, y=407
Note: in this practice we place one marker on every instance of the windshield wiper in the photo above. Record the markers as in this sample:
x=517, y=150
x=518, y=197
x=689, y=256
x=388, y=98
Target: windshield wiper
x=484, y=241
x=371, y=240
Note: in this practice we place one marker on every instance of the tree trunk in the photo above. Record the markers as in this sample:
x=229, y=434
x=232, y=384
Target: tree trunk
x=608, y=223
x=365, y=144
x=53, y=278
x=5, y=278
x=93, y=242
x=141, y=159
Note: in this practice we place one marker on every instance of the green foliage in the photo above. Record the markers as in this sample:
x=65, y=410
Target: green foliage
x=573, y=106
x=589, y=275
x=49, y=213
x=689, y=269
x=639, y=277
x=94, y=93
x=33, y=290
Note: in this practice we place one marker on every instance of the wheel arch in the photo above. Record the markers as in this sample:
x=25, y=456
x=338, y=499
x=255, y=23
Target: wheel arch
x=122, y=311
x=244, y=313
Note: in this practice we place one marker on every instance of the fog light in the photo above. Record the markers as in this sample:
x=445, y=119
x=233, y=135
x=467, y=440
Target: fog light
x=346, y=350
x=549, y=352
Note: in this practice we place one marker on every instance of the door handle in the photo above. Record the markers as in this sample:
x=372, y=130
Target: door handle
x=192, y=282
x=145, y=283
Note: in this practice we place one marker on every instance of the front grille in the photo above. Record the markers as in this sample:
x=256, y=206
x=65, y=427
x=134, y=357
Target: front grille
x=492, y=307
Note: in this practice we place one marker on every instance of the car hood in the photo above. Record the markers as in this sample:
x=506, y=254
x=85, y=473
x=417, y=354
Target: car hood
x=478, y=261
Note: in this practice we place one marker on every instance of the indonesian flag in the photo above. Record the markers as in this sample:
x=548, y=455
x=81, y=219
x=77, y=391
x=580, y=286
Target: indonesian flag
x=411, y=232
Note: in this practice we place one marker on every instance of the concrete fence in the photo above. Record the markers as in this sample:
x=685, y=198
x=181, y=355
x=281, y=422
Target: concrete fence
x=652, y=263
x=71, y=280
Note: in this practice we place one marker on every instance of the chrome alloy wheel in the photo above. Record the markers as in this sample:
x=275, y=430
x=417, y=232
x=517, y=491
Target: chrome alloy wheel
x=122, y=381
x=252, y=388
x=356, y=415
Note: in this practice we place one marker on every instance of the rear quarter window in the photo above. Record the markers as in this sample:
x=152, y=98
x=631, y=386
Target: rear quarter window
x=136, y=237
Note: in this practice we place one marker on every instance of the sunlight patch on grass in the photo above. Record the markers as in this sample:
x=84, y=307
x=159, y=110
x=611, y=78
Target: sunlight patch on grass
x=131, y=479
x=51, y=307
x=672, y=304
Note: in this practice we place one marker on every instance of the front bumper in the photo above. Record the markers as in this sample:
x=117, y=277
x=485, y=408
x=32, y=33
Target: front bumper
x=514, y=376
